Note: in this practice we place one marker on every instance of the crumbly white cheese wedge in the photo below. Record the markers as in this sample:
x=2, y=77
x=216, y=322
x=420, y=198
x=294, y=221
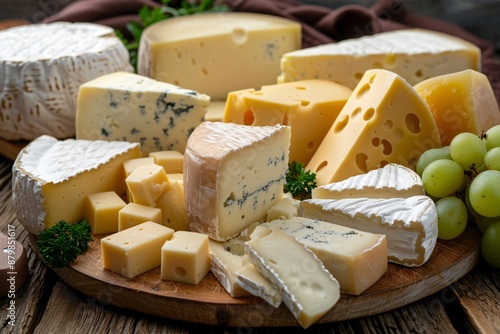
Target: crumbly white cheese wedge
x=309, y=290
x=414, y=54
x=355, y=258
x=287, y=207
x=131, y=107
x=233, y=174
x=392, y=180
x=43, y=65
x=51, y=178
x=410, y=224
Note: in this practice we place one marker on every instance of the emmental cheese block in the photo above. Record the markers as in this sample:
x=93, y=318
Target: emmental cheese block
x=309, y=107
x=410, y=224
x=42, y=67
x=233, y=174
x=384, y=121
x=414, y=54
x=309, y=290
x=392, y=180
x=51, y=178
x=126, y=106
x=460, y=102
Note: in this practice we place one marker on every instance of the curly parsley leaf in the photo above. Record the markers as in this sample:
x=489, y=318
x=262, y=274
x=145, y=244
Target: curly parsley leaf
x=299, y=182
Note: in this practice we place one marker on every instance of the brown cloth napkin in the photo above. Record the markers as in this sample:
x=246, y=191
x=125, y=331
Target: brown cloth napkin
x=320, y=24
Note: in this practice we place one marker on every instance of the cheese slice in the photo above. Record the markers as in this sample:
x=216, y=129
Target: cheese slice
x=410, y=224
x=384, y=121
x=42, y=65
x=392, y=180
x=233, y=174
x=250, y=279
x=134, y=108
x=414, y=54
x=309, y=107
x=51, y=178
x=355, y=258
x=309, y=290
x=460, y=102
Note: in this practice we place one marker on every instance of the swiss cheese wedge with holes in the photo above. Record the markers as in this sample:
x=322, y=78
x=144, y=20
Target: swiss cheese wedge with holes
x=383, y=121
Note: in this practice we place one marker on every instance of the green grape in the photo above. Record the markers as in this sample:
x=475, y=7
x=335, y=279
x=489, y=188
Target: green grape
x=492, y=137
x=490, y=245
x=492, y=159
x=452, y=217
x=483, y=222
x=484, y=193
x=431, y=155
x=468, y=150
x=443, y=178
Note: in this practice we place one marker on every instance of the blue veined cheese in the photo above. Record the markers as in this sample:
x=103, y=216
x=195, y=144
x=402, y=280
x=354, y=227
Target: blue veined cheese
x=233, y=174
x=410, y=224
x=130, y=107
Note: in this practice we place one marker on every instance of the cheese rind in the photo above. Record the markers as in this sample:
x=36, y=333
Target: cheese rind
x=410, y=224
x=233, y=174
x=250, y=279
x=414, y=54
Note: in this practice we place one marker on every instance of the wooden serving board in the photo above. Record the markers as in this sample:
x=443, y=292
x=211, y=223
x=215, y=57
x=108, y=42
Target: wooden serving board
x=208, y=302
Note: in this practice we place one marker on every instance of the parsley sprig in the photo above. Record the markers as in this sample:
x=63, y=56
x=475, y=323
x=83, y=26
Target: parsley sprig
x=168, y=9
x=60, y=244
x=299, y=182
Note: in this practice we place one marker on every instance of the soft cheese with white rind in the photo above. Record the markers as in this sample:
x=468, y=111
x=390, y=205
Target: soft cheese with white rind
x=250, y=279
x=233, y=174
x=410, y=224
x=43, y=65
x=309, y=290
x=126, y=106
x=392, y=180
x=414, y=54
x=51, y=178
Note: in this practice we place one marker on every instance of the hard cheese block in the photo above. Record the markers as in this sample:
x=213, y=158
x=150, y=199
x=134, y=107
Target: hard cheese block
x=173, y=205
x=233, y=174
x=355, y=258
x=309, y=290
x=460, y=102
x=42, y=66
x=384, y=121
x=127, y=106
x=51, y=178
x=309, y=107
x=410, y=224
x=414, y=54
x=392, y=180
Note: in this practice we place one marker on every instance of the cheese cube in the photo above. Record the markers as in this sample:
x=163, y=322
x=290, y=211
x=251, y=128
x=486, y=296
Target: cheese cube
x=130, y=165
x=101, y=211
x=173, y=205
x=146, y=183
x=309, y=107
x=134, y=214
x=460, y=102
x=185, y=258
x=135, y=250
x=384, y=121
x=171, y=161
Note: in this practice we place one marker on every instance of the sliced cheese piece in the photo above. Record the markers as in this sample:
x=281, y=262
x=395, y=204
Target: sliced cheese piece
x=383, y=121
x=173, y=205
x=309, y=290
x=233, y=174
x=410, y=224
x=415, y=54
x=51, y=178
x=250, y=279
x=309, y=107
x=392, y=180
x=42, y=65
x=460, y=102
x=355, y=258
x=127, y=106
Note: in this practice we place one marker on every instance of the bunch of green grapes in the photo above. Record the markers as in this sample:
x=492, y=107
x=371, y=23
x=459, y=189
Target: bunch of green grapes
x=464, y=181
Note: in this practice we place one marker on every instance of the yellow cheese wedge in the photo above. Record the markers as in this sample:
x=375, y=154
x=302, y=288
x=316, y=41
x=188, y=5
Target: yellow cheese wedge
x=383, y=121
x=460, y=102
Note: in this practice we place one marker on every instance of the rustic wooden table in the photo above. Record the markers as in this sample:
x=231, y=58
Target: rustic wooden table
x=46, y=304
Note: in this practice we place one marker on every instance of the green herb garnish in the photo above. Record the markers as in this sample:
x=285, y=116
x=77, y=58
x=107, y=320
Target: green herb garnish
x=299, y=182
x=149, y=16
x=60, y=244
